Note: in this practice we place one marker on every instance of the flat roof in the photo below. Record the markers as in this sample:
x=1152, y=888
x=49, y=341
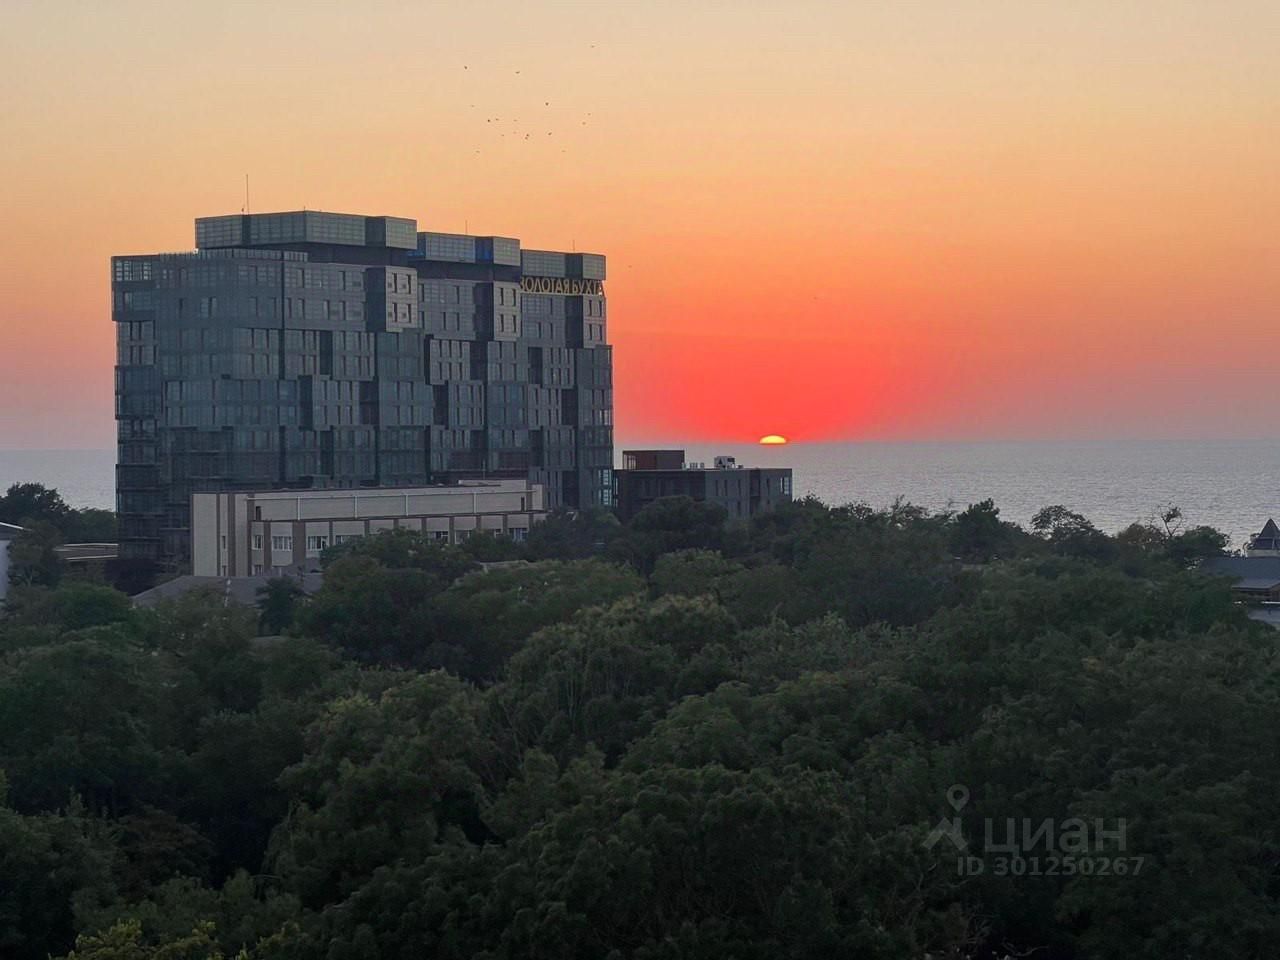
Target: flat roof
x=306, y=226
x=496, y=485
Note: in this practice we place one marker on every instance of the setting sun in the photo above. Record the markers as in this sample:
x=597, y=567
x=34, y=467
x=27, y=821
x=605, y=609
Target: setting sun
x=773, y=438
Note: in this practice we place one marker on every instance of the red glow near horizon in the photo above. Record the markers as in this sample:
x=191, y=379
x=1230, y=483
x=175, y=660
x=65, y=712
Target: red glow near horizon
x=831, y=222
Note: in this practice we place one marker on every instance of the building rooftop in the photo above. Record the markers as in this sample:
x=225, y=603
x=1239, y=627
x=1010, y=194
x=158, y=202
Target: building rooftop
x=673, y=459
x=84, y=552
x=296, y=227
x=1249, y=573
x=1268, y=538
x=306, y=226
x=242, y=590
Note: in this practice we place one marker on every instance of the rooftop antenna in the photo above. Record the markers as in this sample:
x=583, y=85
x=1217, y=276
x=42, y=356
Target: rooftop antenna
x=246, y=193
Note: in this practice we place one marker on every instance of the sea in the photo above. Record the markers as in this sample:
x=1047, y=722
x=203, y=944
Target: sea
x=1233, y=485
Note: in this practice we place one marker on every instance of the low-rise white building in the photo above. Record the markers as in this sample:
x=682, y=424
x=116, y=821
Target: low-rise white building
x=284, y=531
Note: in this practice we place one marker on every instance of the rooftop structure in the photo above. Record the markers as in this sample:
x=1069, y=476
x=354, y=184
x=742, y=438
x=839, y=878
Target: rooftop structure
x=1265, y=543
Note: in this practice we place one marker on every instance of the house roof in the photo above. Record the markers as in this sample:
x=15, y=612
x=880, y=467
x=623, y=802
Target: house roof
x=243, y=590
x=1257, y=583
x=1249, y=573
x=1268, y=538
x=9, y=531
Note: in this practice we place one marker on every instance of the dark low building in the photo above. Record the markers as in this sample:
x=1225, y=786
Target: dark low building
x=1254, y=578
x=241, y=590
x=649, y=475
x=88, y=559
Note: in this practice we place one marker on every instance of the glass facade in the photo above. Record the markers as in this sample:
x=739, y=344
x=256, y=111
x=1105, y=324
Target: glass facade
x=417, y=360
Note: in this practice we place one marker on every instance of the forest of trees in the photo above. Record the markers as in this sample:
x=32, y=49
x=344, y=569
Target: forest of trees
x=673, y=739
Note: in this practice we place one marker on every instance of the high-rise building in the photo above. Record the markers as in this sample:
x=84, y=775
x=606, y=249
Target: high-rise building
x=313, y=350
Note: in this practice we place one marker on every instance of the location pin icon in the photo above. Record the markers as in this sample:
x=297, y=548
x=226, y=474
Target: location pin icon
x=957, y=796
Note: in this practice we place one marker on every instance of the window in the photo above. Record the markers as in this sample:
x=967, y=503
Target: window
x=316, y=544
x=786, y=485
x=257, y=541
x=440, y=534
x=519, y=534
x=282, y=543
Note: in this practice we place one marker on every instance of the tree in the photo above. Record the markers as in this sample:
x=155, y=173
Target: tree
x=1167, y=537
x=382, y=781
x=572, y=534
x=405, y=550
x=486, y=546
x=869, y=566
x=124, y=941
x=48, y=862
x=79, y=717
x=74, y=605
x=78, y=606
x=487, y=616
x=978, y=534
x=668, y=524
x=378, y=614
x=1071, y=534
x=90, y=525
x=242, y=918
x=691, y=573
x=278, y=601
x=28, y=503
x=742, y=756
x=1189, y=547
x=33, y=558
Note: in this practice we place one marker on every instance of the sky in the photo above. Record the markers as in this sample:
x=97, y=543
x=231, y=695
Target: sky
x=855, y=220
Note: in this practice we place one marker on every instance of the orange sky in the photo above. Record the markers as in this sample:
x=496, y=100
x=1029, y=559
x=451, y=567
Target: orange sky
x=828, y=220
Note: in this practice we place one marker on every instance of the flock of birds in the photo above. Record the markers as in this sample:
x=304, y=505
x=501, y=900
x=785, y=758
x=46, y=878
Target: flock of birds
x=526, y=133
